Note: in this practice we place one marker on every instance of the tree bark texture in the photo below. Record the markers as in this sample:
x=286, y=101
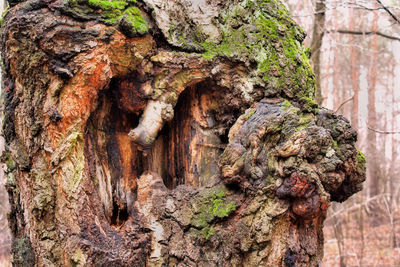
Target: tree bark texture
x=167, y=133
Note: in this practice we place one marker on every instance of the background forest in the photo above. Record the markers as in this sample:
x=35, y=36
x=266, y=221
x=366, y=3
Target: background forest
x=358, y=43
x=355, y=49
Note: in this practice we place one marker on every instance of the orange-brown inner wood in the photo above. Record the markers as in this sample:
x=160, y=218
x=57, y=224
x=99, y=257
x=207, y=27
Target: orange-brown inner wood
x=185, y=152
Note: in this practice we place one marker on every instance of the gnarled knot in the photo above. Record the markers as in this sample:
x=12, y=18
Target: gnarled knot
x=295, y=186
x=309, y=207
x=307, y=202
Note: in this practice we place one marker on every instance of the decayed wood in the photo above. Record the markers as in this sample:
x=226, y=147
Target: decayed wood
x=140, y=133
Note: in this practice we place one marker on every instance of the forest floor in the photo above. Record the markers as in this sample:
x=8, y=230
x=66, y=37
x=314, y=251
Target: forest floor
x=367, y=241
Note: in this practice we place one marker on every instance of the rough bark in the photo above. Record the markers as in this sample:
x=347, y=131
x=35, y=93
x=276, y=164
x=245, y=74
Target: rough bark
x=167, y=133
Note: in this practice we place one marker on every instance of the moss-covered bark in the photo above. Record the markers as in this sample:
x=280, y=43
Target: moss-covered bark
x=167, y=133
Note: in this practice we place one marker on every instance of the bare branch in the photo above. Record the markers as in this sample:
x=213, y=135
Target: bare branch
x=366, y=33
x=358, y=6
x=382, y=132
x=389, y=12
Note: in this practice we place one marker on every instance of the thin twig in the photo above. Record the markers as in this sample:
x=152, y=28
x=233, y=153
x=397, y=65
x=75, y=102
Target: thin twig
x=346, y=101
x=382, y=132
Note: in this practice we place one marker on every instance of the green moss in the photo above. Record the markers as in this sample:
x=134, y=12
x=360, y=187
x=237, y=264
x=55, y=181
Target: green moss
x=213, y=50
x=301, y=127
x=112, y=12
x=78, y=171
x=361, y=160
x=139, y=24
x=267, y=26
x=95, y=180
x=72, y=140
x=3, y=14
x=268, y=37
x=305, y=118
x=220, y=209
x=208, y=232
x=286, y=105
x=149, y=140
x=304, y=121
x=335, y=144
x=307, y=52
x=10, y=163
x=70, y=158
x=309, y=104
x=11, y=168
x=247, y=116
x=309, y=101
x=262, y=33
x=106, y=5
x=214, y=206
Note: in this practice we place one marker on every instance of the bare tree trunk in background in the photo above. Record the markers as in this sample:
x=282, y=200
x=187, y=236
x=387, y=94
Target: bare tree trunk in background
x=375, y=186
x=316, y=43
x=338, y=229
x=152, y=133
x=383, y=168
x=337, y=90
x=392, y=167
x=361, y=228
x=355, y=72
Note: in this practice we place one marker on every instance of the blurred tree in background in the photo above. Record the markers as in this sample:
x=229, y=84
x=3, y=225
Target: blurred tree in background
x=356, y=54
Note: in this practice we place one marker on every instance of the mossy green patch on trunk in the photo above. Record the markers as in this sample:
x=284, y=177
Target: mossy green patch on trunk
x=361, y=160
x=262, y=32
x=286, y=105
x=123, y=12
x=247, y=116
x=214, y=206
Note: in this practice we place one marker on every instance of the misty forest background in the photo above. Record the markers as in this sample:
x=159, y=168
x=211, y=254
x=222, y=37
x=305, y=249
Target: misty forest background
x=355, y=49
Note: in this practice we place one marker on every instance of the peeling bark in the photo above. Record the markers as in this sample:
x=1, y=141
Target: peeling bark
x=140, y=133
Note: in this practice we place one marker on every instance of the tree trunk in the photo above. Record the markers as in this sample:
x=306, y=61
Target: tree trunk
x=355, y=72
x=316, y=43
x=167, y=133
x=373, y=166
